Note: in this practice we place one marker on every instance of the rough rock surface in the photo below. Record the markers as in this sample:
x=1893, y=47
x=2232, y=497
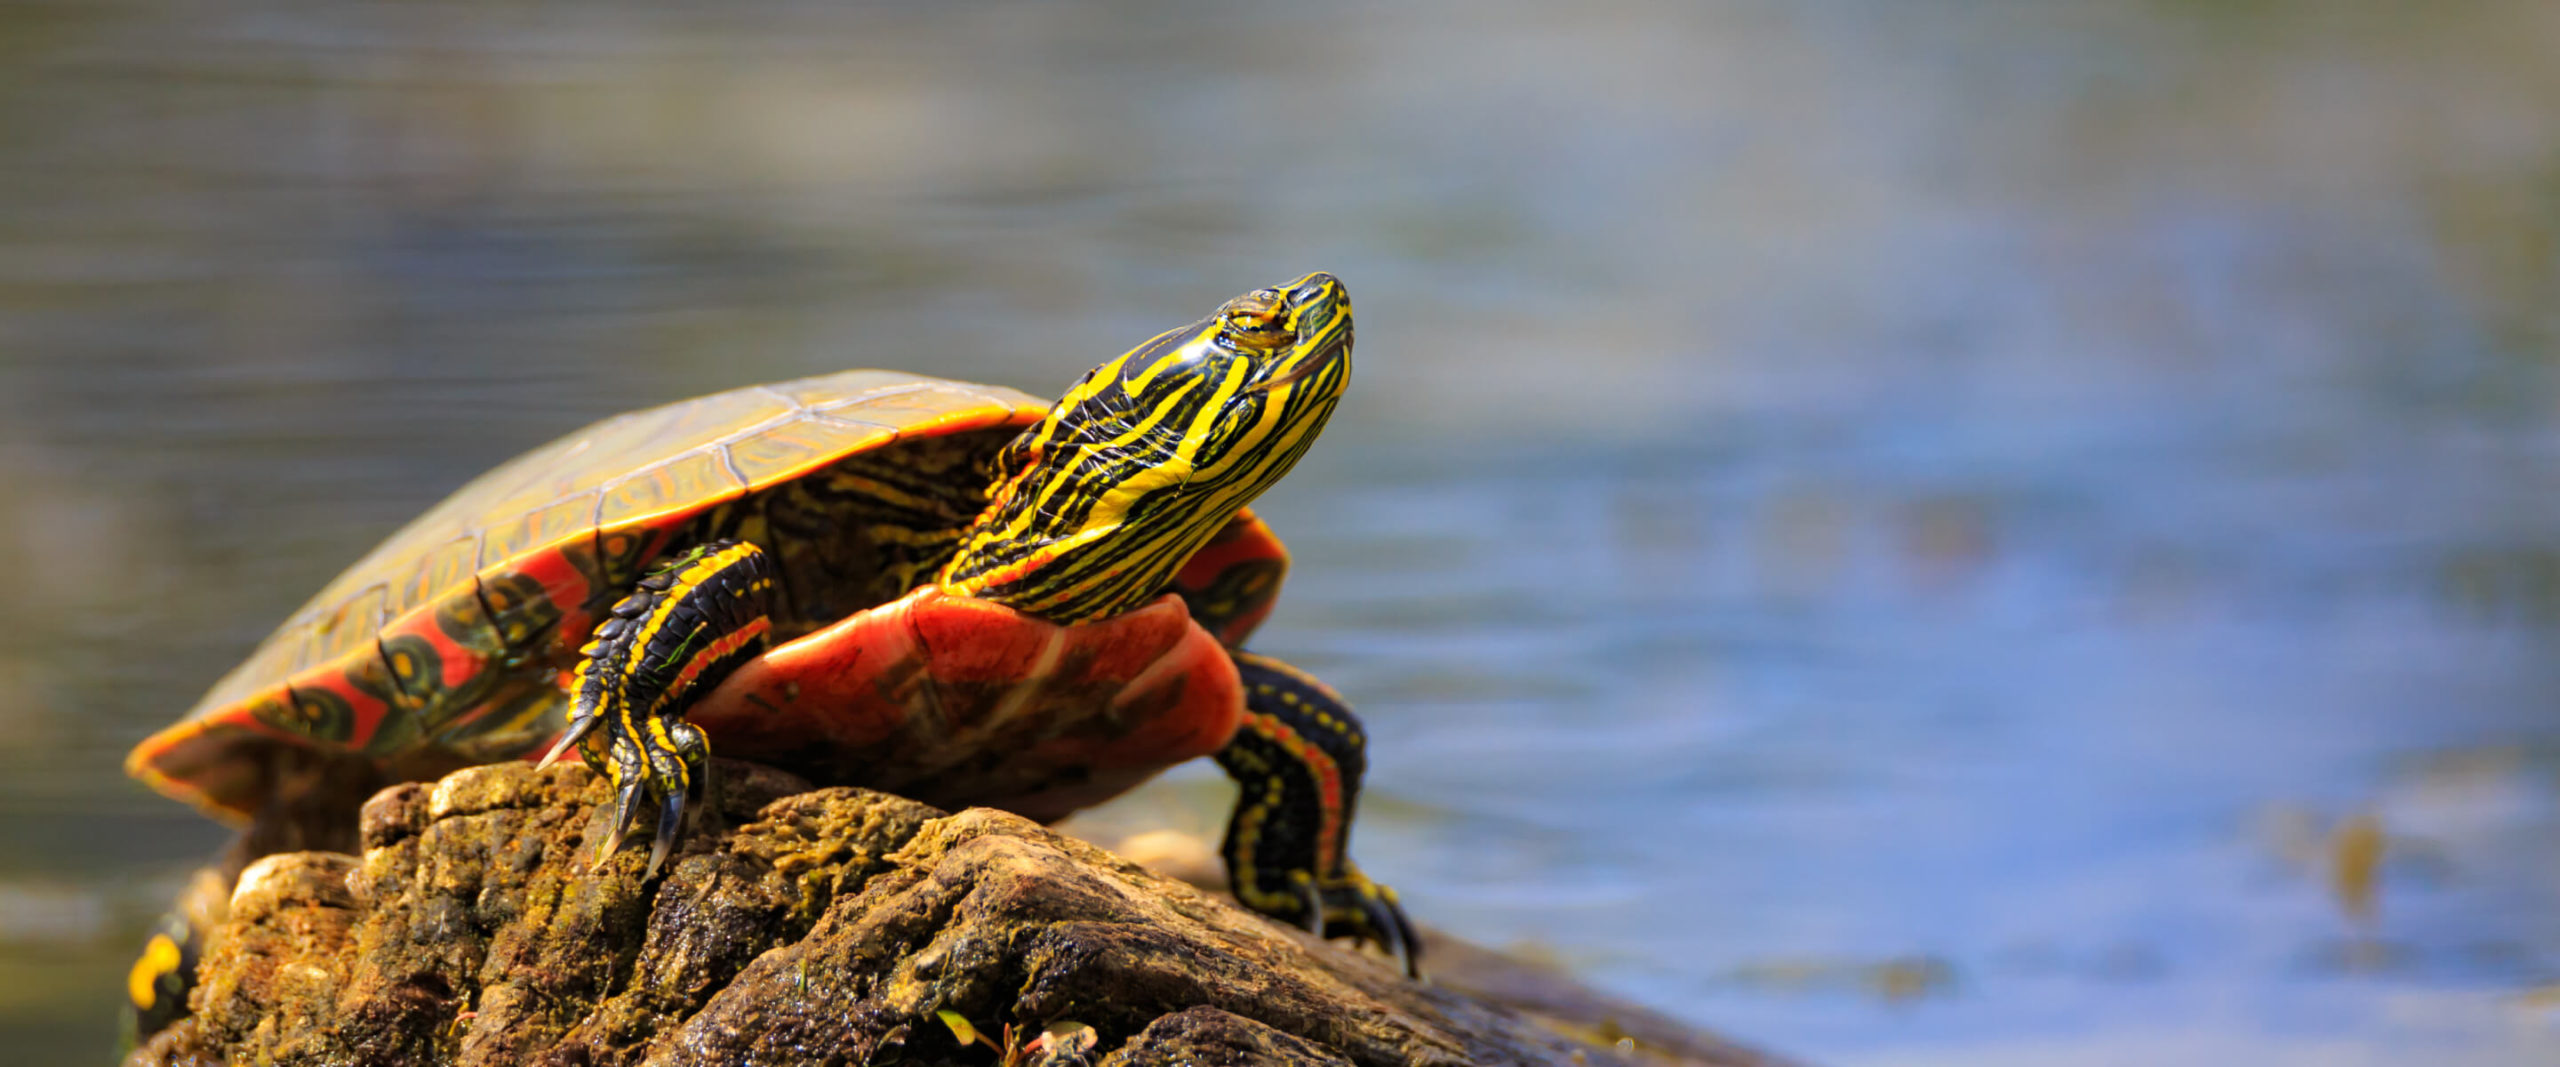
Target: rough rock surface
x=825, y=926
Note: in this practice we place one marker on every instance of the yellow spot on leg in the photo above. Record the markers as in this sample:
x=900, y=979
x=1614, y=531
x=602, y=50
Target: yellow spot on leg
x=159, y=958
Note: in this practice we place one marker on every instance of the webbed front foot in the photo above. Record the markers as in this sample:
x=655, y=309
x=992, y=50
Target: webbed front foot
x=689, y=624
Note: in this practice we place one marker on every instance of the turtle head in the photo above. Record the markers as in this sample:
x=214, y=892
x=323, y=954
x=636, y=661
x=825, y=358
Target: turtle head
x=1093, y=509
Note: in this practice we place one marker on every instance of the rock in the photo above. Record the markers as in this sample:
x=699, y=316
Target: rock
x=817, y=926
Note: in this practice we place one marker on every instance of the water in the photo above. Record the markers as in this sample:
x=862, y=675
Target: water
x=1899, y=530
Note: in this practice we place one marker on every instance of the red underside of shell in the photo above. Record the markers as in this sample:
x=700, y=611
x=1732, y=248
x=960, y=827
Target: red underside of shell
x=954, y=700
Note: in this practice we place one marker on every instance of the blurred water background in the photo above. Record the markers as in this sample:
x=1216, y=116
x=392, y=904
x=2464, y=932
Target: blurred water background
x=1912, y=531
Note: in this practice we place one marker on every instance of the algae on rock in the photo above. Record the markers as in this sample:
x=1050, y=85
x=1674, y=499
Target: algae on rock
x=818, y=926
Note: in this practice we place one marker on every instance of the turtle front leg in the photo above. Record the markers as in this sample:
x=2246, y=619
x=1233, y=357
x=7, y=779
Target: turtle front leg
x=689, y=624
x=1298, y=759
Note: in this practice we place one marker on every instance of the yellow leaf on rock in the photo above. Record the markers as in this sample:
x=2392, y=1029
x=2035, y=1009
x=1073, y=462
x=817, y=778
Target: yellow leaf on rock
x=960, y=1028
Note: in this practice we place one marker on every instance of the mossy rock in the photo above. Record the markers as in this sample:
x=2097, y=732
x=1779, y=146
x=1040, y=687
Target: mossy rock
x=818, y=926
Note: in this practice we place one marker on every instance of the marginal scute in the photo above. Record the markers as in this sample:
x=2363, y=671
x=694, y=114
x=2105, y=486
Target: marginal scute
x=462, y=619
x=622, y=554
x=211, y=764
x=270, y=713
x=319, y=715
x=515, y=722
x=416, y=672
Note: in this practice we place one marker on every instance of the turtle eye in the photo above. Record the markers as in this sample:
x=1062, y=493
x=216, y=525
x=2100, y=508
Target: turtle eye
x=1256, y=321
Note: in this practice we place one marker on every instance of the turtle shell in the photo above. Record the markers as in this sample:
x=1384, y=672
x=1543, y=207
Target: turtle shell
x=441, y=648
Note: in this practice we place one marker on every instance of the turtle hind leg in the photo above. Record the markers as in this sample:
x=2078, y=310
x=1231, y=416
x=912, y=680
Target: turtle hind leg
x=1298, y=760
x=157, y=986
x=306, y=800
x=684, y=629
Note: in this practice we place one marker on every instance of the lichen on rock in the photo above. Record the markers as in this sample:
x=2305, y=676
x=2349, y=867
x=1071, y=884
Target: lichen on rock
x=807, y=926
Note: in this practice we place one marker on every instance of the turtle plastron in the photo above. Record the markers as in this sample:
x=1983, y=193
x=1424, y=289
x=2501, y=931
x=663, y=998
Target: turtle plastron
x=956, y=700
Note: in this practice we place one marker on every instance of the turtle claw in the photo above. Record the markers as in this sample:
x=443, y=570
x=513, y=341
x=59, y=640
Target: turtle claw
x=670, y=821
x=626, y=807
x=1368, y=913
x=1343, y=904
x=1388, y=916
x=577, y=732
x=666, y=777
x=1312, y=919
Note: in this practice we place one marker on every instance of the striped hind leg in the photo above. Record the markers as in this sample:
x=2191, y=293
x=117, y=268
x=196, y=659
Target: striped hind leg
x=687, y=626
x=307, y=800
x=157, y=985
x=1298, y=760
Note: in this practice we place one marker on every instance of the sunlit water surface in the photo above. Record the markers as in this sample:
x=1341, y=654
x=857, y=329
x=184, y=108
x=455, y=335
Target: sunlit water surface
x=1909, y=532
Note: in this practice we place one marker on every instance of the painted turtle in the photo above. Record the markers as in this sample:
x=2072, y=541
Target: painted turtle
x=948, y=590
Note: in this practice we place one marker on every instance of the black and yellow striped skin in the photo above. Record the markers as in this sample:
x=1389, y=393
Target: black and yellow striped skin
x=1297, y=761
x=1094, y=508
x=156, y=986
x=160, y=979
x=1089, y=514
x=689, y=625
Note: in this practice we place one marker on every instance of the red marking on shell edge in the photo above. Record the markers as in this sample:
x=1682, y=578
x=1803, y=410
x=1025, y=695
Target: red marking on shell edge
x=456, y=664
x=566, y=588
x=651, y=543
x=215, y=762
x=206, y=784
x=332, y=683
